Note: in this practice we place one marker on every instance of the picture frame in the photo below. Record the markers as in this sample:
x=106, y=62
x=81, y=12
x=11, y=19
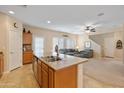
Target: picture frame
x=119, y=44
x=87, y=44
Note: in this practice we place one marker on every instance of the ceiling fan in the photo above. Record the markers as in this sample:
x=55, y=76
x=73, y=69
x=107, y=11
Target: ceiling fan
x=90, y=27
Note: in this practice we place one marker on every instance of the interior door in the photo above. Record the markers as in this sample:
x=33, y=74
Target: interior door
x=15, y=49
x=109, y=47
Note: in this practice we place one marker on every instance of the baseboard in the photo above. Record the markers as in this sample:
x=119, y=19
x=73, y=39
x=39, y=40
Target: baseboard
x=108, y=57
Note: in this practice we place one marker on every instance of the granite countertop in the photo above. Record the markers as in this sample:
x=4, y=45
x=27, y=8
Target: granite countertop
x=66, y=61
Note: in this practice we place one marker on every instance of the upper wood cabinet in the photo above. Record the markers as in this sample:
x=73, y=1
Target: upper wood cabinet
x=27, y=38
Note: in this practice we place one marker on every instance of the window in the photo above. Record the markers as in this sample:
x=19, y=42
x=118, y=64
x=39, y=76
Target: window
x=63, y=43
x=59, y=42
x=70, y=43
x=38, y=46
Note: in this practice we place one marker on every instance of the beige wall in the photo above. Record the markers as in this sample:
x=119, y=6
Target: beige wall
x=119, y=52
x=3, y=37
x=117, y=34
x=96, y=47
x=99, y=39
x=6, y=25
x=48, y=37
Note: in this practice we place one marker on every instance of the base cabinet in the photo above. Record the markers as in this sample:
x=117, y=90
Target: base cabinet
x=45, y=82
x=1, y=64
x=27, y=57
x=39, y=74
x=50, y=78
x=35, y=67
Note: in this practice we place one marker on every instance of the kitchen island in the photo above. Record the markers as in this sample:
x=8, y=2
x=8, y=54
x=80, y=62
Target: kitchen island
x=64, y=73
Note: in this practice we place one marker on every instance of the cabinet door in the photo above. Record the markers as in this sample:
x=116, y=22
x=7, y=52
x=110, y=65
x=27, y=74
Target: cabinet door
x=27, y=57
x=51, y=78
x=39, y=74
x=0, y=66
x=45, y=79
x=33, y=63
x=35, y=68
x=27, y=38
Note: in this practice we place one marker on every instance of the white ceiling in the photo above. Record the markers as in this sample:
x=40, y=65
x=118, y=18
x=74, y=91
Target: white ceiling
x=68, y=18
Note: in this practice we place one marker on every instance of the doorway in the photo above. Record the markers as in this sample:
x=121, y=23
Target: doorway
x=15, y=49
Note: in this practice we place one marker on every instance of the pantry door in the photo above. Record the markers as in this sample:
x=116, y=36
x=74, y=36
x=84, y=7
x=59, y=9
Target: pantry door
x=15, y=49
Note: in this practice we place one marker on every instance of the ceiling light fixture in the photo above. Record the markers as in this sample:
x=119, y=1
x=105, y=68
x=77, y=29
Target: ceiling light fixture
x=48, y=22
x=100, y=14
x=11, y=12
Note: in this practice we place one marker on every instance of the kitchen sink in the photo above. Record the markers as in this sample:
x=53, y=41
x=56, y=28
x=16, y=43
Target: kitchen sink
x=52, y=58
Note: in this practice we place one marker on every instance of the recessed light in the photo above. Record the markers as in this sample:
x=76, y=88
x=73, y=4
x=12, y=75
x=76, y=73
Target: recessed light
x=11, y=12
x=48, y=22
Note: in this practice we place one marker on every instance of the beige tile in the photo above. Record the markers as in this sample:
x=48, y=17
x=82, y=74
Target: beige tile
x=20, y=78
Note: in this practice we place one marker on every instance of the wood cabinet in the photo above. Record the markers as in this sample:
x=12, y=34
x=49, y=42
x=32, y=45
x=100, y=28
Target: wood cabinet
x=39, y=73
x=27, y=38
x=1, y=64
x=49, y=78
x=45, y=83
x=27, y=48
x=66, y=78
x=35, y=67
x=27, y=57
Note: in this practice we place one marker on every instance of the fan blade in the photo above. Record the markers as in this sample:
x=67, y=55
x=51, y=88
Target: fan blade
x=93, y=30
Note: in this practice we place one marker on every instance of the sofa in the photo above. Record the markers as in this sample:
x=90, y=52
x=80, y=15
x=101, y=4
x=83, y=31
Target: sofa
x=68, y=51
x=86, y=53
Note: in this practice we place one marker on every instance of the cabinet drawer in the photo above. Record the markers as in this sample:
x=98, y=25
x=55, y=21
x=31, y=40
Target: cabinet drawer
x=27, y=57
x=45, y=67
